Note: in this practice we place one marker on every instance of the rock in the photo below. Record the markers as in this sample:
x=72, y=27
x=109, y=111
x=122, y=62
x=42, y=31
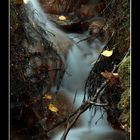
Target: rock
x=100, y=29
x=89, y=11
x=124, y=104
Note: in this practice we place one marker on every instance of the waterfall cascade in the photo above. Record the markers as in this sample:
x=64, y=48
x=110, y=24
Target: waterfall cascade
x=80, y=60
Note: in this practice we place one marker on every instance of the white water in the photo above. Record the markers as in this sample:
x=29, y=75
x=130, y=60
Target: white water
x=80, y=60
x=60, y=40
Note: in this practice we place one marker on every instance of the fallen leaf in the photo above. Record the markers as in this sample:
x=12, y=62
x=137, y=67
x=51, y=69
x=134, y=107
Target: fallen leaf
x=47, y=97
x=53, y=108
x=62, y=18
x=25, y=1
x=115, y=74
x=107, y=53
x=112, y=78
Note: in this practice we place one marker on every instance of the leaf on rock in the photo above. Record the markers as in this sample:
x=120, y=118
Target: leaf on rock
x=47, y=97
x=25, y=1
x=112, y=78
x=62, y=18
x=107, y=53
x=53, y=108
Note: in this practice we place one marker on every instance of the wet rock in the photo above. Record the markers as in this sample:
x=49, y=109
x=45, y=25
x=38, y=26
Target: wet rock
x=90, y=10
x=101, y=29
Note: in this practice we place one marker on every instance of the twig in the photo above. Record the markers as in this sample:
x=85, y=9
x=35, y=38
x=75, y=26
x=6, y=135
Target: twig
x=99, y=118
x=98, y=104
x=75, y=97
x=107, y=6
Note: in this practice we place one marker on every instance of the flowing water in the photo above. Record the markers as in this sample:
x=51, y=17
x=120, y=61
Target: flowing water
x=80, y=60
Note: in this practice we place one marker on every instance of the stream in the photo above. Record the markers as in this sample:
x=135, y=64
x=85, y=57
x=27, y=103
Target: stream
x=79, y=61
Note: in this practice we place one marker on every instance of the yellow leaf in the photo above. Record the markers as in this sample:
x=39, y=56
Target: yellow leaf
x=107, y=53
x=25, y=1
x=53, y=108
x=115, y=74
x=62, y=18
x=47, y=97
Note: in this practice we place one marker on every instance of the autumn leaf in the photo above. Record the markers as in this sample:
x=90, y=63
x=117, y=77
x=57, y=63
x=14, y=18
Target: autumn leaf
x=107, y=53
x=112, y=78
x=62, y=18
x=53, y=108
x=25, y=1
x=47, y=97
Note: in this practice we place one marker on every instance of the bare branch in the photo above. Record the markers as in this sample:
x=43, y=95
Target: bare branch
x=82, y=109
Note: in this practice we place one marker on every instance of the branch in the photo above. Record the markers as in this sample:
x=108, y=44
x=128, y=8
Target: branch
x=85, y=106
x=82, y=109
x=98, y=104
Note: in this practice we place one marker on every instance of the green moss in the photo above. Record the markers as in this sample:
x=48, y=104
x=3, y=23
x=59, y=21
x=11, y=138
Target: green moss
x=13, y=16
x=124, y=73
x=124, y=104
x=125, y=100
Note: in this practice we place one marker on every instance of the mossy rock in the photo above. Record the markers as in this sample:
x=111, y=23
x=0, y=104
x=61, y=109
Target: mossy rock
x=124, y=104
x=124, y=73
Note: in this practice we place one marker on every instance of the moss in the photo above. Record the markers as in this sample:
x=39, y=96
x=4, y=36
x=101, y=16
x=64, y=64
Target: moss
x=124, y=104
x=124, y=72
